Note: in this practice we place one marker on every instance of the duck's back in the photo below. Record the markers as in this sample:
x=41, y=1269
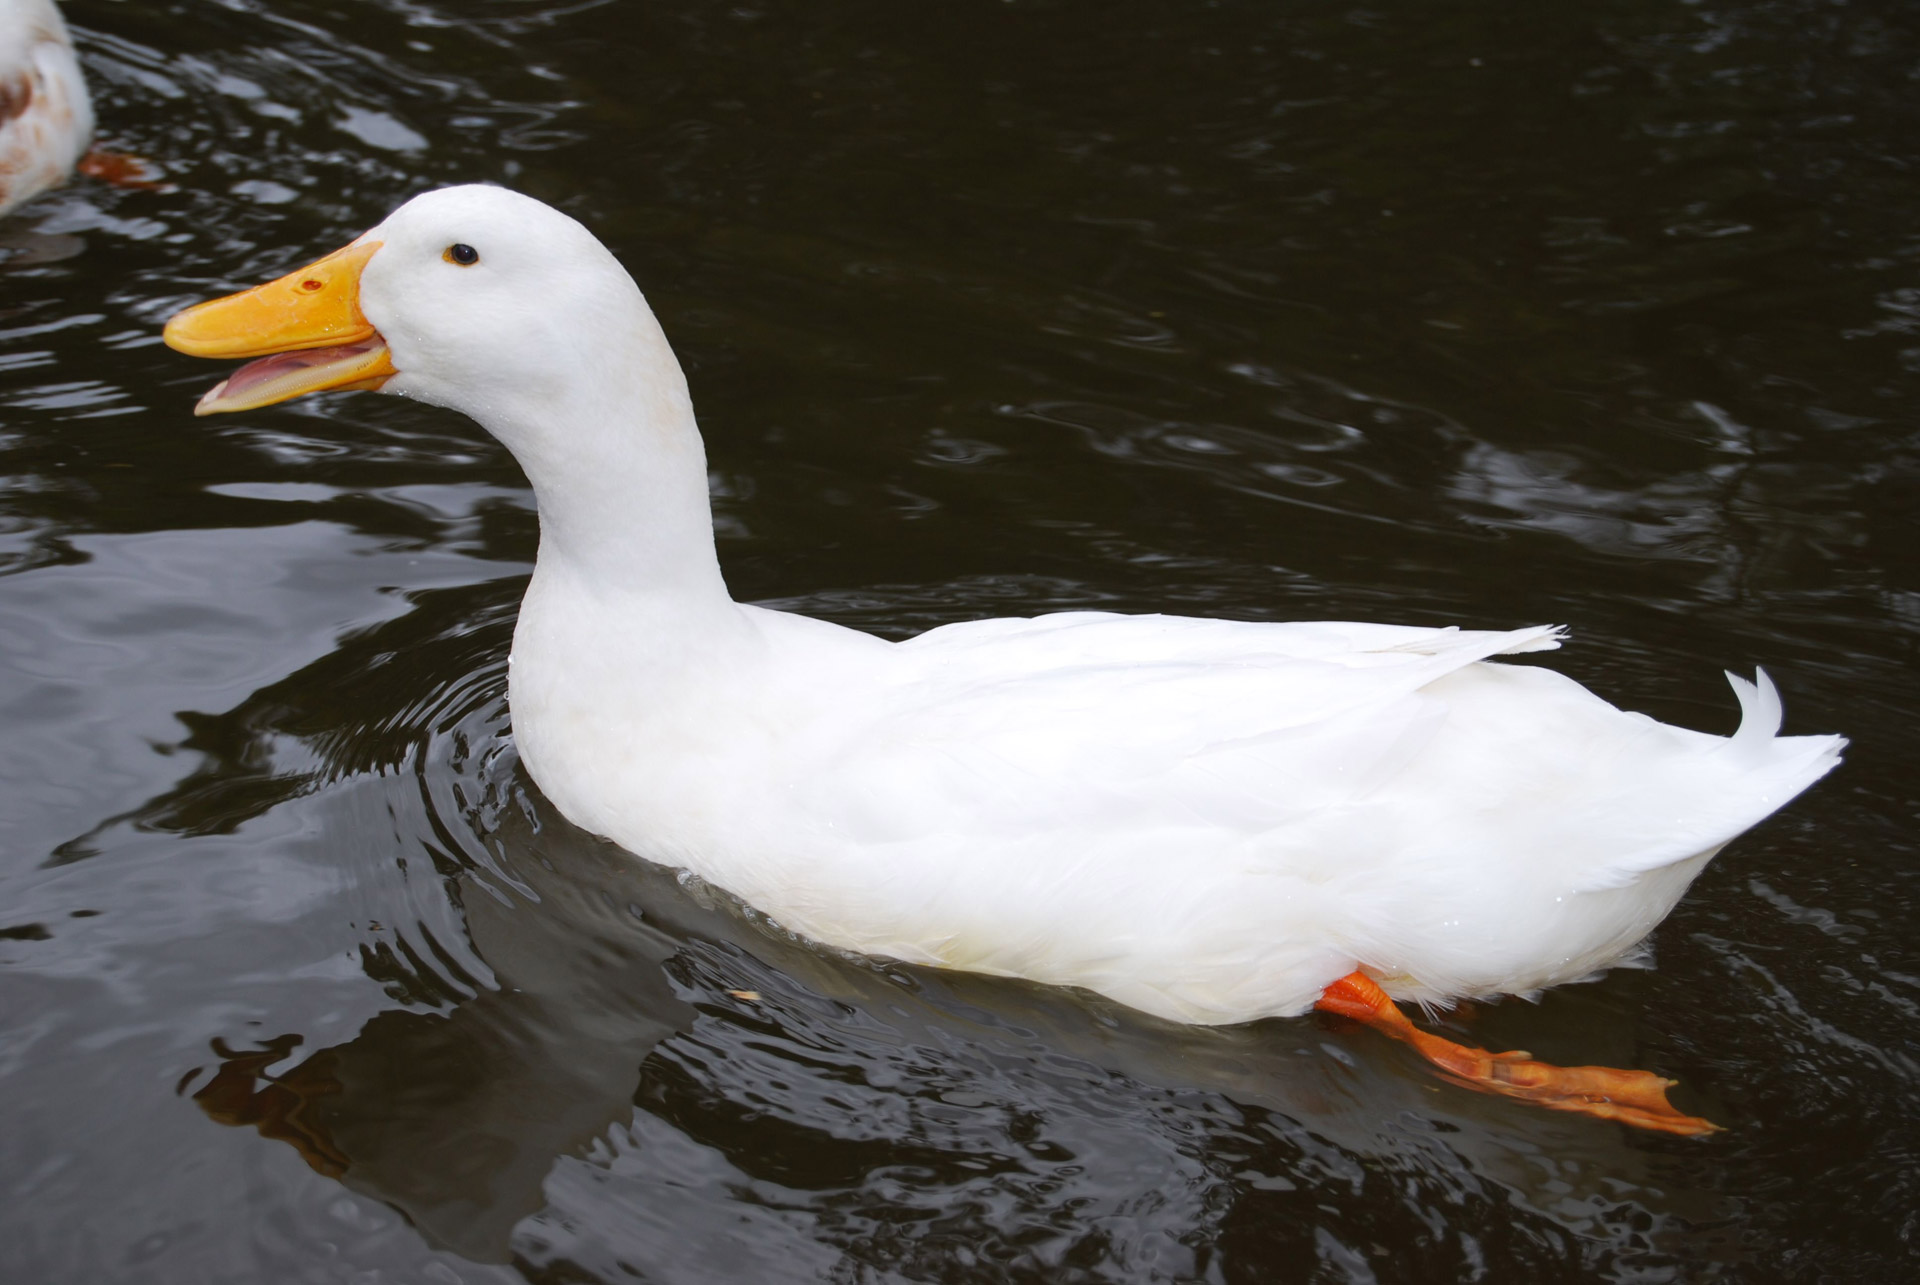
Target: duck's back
x=1212, y=820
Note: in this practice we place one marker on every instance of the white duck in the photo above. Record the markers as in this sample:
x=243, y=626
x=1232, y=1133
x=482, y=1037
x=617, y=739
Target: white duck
x=46, y=117
x=1208, y=820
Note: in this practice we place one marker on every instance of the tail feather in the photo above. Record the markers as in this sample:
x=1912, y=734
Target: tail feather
x=1767, y=770
x=1758, y=737
x=1760, y=710
x=1539, y=638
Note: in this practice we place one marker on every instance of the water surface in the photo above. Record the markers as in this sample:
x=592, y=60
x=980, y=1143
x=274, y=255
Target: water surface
x=1606, y=315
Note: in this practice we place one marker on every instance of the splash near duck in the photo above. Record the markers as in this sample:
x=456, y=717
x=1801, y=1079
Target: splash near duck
x=1211, y=821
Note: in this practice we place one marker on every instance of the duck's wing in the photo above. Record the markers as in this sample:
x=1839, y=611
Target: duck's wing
x=1090, y=721
x=1249, y=725
x=1318, y=751
x=1019, y=645
x=1170, y=811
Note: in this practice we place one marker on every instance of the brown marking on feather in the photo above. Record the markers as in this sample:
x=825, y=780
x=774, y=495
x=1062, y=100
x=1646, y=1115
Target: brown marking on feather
x=16, y=95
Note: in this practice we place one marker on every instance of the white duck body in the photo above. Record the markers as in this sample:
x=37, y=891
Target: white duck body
x=1203, y=819
x=46, y=117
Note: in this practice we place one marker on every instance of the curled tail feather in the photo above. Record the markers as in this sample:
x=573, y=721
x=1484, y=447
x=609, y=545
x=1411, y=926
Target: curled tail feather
x=1766, y=770
x=1761, y=712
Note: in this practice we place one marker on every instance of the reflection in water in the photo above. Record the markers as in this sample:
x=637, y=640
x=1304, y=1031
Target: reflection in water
x=900, y=1119
x=284, y=1109
x=456, y=1116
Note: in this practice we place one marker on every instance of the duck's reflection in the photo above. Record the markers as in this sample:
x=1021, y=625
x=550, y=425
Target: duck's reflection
x=456, y=1117
x=853, y=1094
x=243, y=1091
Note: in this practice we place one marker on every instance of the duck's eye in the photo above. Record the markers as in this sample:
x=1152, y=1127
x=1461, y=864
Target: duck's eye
x=461, y=253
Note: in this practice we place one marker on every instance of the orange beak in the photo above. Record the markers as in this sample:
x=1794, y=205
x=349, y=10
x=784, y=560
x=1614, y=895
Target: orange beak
x=307, y=328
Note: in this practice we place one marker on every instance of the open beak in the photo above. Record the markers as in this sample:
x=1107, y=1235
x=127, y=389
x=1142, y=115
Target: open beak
x=306, y=328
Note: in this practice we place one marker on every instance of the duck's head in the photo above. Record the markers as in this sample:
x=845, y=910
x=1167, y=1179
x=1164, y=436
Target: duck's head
x=475, y=298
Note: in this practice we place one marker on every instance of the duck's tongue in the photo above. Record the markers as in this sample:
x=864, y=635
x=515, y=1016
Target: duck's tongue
x=307, y=327
x=363, y=365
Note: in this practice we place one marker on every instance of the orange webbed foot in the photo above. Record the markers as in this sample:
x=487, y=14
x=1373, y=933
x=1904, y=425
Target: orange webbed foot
x=1638, y=1098
x=122, y=170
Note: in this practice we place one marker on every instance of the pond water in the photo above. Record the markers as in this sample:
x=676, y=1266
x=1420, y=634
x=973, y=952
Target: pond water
x=1606, y=315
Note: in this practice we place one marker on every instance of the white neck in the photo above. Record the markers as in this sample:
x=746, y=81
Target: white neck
x=603, y=425
x=620, y=476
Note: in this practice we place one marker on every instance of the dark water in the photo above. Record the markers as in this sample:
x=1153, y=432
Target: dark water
x=1605, y=314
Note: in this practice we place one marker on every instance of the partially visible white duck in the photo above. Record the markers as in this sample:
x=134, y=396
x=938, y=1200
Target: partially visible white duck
x=1207, y=820
x=46, y=118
